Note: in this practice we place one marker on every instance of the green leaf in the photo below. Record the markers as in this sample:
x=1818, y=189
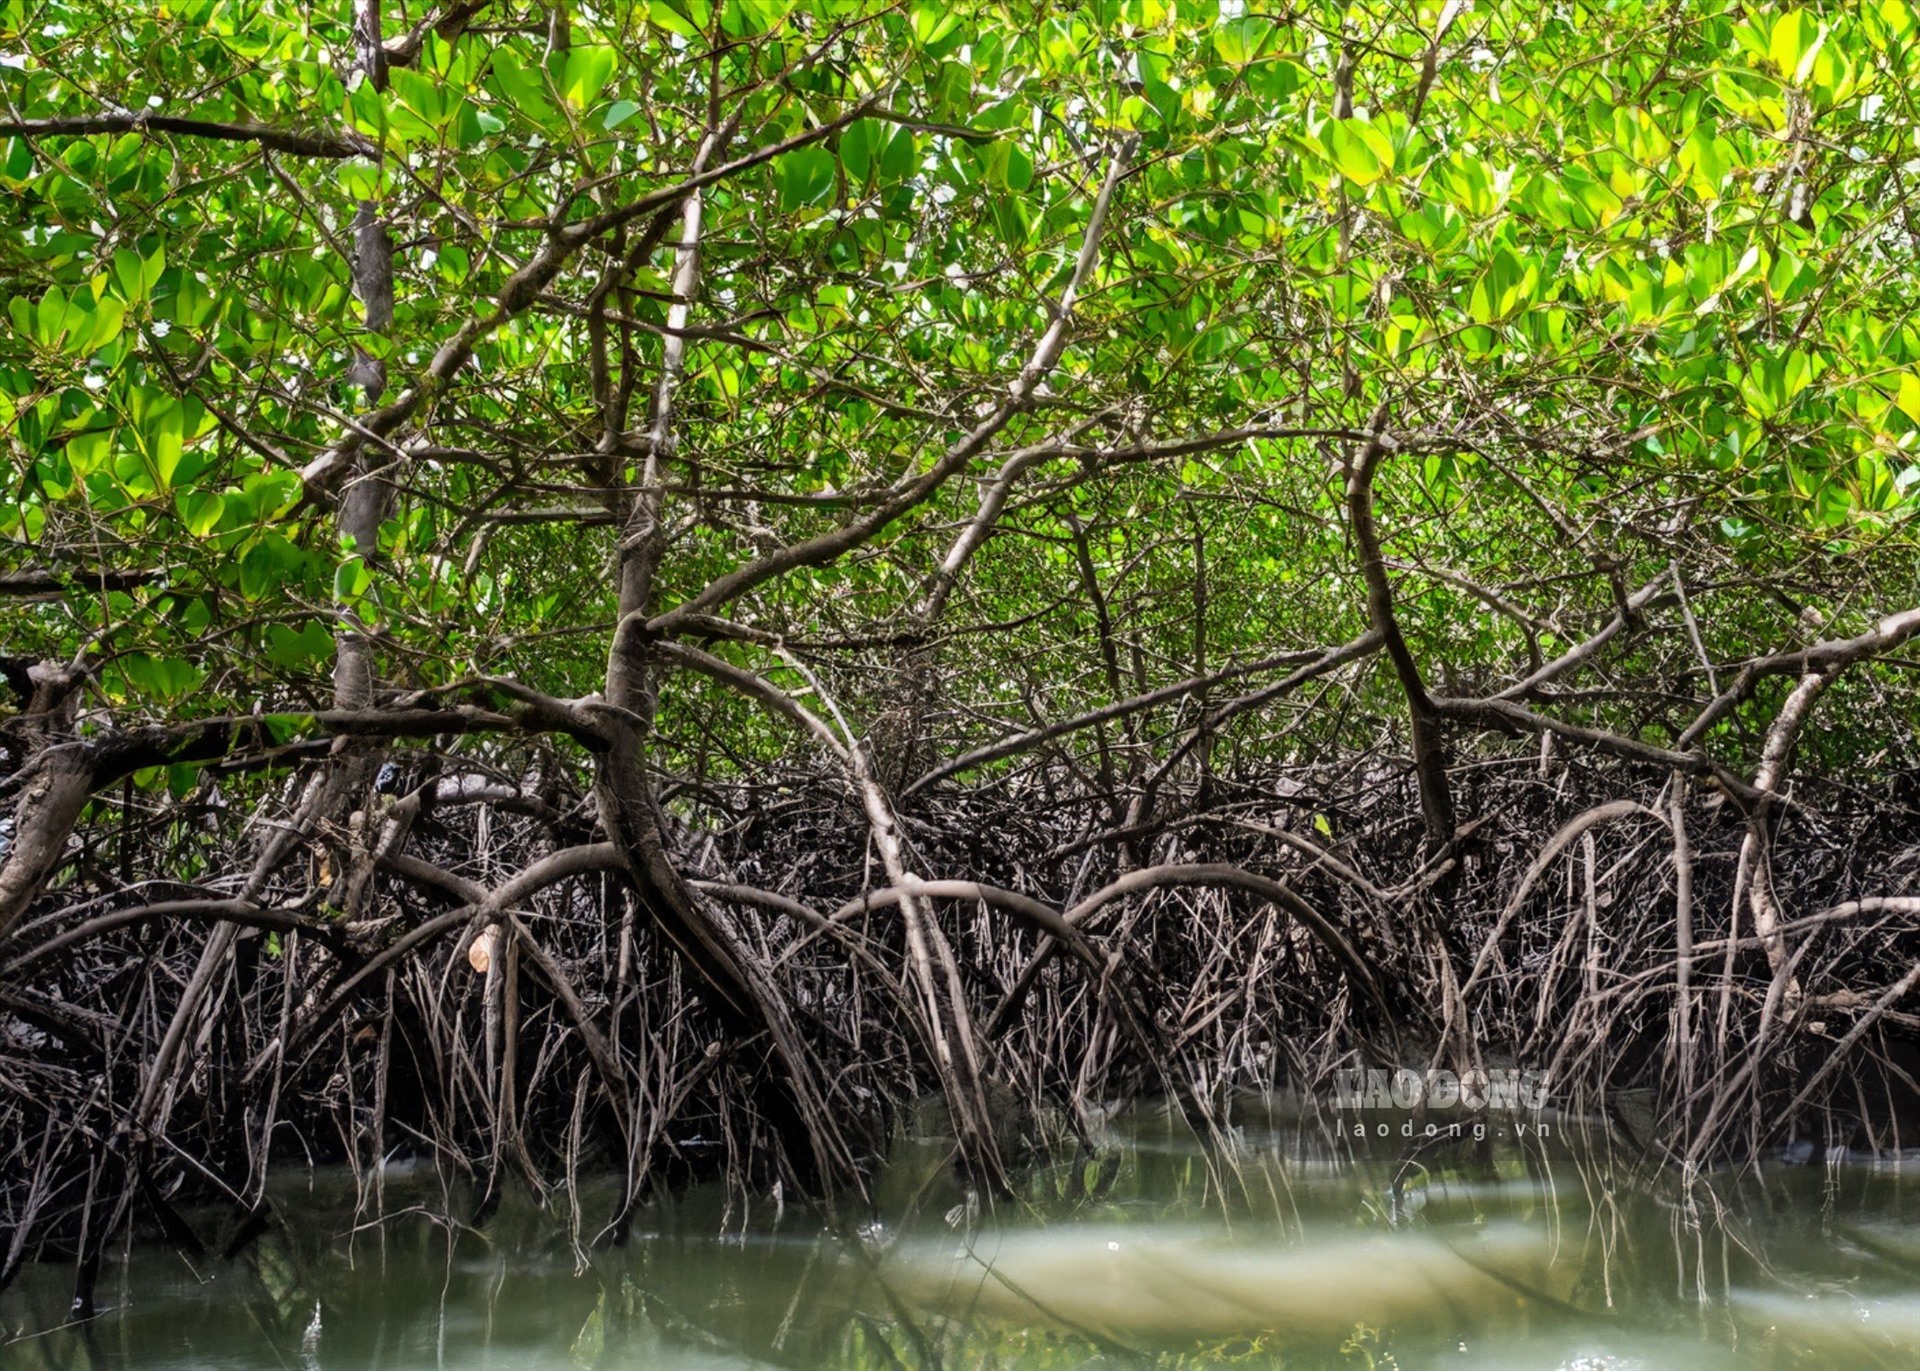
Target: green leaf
x=51, y=317
x=857, y=145
x=1153, y=76
x=420, y=93
x=586, y=73
x=127, y=270
x=673, y=17
x=181, y=778
x=933, y=24
x=79, y=325
x=1794, y=43
x=270, y=565
x=269, y=493
x=351, y=580
x=902, y=157
x=806, y=177
x=1707, y=160
x=1240, y=41
x=1019, y=171
x=1362, y=152
x=163, y=679
x=108, y=314
x=618, y=113
x=199, y=510
x=1832, y=504
x=294, y=650
x=360, y=180
x=88, y=452
x=165, y=441
x=19, y=162
x=524, y=88
x=284, y=728
x=1907, y=396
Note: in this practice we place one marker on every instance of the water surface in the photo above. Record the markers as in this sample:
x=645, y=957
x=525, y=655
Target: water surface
x=1282, y=1244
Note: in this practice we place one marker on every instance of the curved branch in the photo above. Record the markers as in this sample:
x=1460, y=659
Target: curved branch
x=1429, y=752
x=827, y=547
x=1320, y=858
x=1623, y=615
x=447, y=25
x=217, y=911
x=1334, y=657
x=1054, y=927
x=812, y=918
x=605, y=1061
x=1008, y=747
x=1835, y=654
x=993, y=501
x=1558, y=843
x=754, y=687
x=1892, y=996
x=54, y=797
x=522, y=290
x=80, y=580
x=549, y=870
x=115, y=756
x=1506, y=716
x=1203, y=874
x=1044, y=918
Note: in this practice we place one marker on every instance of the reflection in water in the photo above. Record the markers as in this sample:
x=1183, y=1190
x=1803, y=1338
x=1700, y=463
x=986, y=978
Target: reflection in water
x=1273, y=1248
x=1116, y=1283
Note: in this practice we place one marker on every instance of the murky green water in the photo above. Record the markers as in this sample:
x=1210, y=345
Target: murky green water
x=1285, y=1247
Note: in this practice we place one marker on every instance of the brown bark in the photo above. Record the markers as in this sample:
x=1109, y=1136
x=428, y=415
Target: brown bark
x=79, y=581
x=43, y=818
x=1429, y=748
x=330, y=145
x=737, y=990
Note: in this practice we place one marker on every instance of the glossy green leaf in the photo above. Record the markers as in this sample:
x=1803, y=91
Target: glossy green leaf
x=1361, y=152
x=199, y=510
x=1907, y=396
x=586, y=73
x=806, y=177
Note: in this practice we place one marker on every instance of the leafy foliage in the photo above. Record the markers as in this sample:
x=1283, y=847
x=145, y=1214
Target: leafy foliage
x=1653, y=262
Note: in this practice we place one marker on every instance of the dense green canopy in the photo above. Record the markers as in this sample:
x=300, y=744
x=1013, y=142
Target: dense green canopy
x=1636, y=275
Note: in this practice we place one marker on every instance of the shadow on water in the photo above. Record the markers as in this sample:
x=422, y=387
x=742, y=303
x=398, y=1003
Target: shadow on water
x=1280, y=1243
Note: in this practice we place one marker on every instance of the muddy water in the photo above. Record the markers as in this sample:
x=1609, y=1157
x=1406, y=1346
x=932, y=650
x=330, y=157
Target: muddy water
x=1281, y=1244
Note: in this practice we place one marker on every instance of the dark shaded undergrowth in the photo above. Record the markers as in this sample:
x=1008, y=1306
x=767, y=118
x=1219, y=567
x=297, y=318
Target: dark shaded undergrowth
x=1286, y=927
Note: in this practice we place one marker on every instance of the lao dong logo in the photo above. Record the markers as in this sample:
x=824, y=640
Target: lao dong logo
x=1496, y=1090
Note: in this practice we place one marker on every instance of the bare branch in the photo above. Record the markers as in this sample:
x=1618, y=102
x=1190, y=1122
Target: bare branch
x=288, y=141
x=829, y=546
